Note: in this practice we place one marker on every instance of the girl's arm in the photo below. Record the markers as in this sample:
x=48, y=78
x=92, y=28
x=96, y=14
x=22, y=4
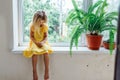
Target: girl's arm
x=32, y=36
x=33, y=39
x=40, y=44
x=45, y=37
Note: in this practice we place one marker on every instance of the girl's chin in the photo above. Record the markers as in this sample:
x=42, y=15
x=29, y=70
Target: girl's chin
x=40, y=24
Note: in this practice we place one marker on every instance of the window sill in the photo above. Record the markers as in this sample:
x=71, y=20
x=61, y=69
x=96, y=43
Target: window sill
x=66, y=50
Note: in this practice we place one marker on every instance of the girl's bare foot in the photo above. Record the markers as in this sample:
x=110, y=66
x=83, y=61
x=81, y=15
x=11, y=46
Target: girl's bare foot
x=34, y=65
x=46, y=76
x=46, y=61
x=35, y=77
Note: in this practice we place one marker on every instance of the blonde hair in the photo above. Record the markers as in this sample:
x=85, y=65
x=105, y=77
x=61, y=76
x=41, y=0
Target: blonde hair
x=39, y=15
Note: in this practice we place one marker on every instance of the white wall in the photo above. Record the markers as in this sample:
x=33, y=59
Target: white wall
x=63, y=67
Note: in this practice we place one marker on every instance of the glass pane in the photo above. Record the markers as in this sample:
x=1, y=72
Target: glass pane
x=112, y=5
x=56, y=11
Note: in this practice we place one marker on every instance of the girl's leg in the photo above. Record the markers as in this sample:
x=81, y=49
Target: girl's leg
x=34, y=65
x=46, y=62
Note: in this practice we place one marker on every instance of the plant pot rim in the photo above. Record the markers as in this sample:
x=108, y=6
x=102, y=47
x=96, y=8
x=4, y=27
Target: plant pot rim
x=94, y=35
x=107, y=42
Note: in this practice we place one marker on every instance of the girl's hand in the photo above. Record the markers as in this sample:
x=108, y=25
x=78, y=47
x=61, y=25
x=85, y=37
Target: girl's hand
x=39, y=44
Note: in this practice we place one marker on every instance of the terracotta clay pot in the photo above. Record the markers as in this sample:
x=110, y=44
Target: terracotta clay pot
x=94, y=41
x=106, y=45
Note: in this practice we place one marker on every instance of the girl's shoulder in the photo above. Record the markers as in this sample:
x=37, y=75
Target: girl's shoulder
x=45, y=25
x=45, y=28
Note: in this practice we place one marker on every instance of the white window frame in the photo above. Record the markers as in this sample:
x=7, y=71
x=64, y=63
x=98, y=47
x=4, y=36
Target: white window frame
x=16, y=26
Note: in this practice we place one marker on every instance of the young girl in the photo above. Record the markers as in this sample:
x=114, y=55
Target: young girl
x=38, y=43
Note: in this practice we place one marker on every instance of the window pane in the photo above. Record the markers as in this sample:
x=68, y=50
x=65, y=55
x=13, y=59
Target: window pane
x=56, y=11
x=112, y=5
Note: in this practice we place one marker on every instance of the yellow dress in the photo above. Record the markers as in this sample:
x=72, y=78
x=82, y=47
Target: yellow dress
x=38, y=35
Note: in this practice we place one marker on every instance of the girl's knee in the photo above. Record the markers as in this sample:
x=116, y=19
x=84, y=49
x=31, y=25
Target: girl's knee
x=46, y=54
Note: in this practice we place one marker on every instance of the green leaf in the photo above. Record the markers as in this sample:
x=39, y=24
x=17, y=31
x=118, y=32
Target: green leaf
x=111, y=36
x=98, y=11
x=104, y=5
x=77, y=10
x=111, y=14
x=74, y=30
x=92, y=7
x=71, y=45
x=109, y=28
x=74, y=5
x=75, y=38
x=71, y=15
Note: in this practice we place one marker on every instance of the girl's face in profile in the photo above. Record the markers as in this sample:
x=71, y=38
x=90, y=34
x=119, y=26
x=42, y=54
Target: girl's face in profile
x=40, y=22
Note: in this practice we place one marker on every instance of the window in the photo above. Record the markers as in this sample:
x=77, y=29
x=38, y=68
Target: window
x=56, y=11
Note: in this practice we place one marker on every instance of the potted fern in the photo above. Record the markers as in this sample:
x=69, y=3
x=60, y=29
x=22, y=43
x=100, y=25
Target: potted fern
x=92, y=22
